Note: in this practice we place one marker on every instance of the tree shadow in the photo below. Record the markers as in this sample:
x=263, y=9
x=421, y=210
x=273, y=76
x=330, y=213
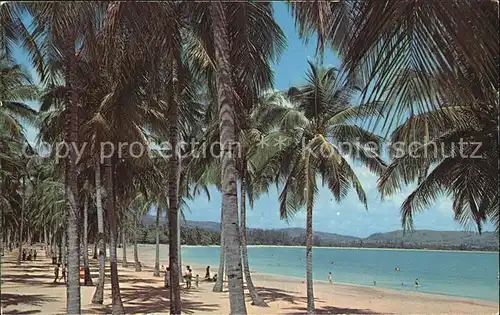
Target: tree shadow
x=18, y=312
x=151, y=299
x=126, y=278
x=29, y=280
x=272, y=295
x=332, y=310
x=9, y=299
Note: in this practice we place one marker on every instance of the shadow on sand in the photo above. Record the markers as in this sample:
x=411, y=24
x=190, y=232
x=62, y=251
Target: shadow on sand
x=36, y=300
x=273, y=295
x=332, y=310
x=153, y=299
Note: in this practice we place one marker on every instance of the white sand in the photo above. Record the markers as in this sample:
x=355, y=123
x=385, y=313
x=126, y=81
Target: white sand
x=28, y=289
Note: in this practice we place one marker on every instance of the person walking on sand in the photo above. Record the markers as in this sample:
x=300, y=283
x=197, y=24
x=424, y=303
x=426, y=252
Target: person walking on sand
x=197, y=280
x=34, y=254
x=207, y=273
x=63, y=273
x=56, y=273
x=187, y=277
x=330, y=277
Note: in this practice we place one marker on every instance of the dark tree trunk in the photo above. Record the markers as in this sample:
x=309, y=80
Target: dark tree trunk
x=94, y=255
x=309, y=274
x=136, y=252
x=156, y=271
x=21, y=225
x=98, y=297
x=124, y=244
x=87, y=277
x=228, y=176
x=60, y=256
x=45, y=240
x=113, y=233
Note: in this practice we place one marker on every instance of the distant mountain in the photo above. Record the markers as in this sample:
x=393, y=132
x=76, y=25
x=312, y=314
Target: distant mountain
x=437, y=238
x=206, y=225
x=395, y=239
x=324, y=237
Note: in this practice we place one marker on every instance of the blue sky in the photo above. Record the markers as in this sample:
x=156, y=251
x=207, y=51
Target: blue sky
x=348, y=217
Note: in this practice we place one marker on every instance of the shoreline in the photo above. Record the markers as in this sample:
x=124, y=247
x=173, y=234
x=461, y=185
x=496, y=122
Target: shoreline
x=407, y=289
x=350, y=285
x=355, y=248
x=29, y=289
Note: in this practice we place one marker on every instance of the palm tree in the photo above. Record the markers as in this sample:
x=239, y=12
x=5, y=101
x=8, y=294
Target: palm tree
x=249, y=73
x=61, y=27
x=463, y=159
x=454, y=39
x=310, y=145
x=228, y=177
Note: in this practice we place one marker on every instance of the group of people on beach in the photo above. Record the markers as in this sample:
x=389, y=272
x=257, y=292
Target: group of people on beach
x=188, y=277
x=63, y=273
x=28, y=255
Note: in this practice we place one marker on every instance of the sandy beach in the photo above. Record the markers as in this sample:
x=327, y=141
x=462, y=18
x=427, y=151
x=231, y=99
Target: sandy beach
x=29, y=289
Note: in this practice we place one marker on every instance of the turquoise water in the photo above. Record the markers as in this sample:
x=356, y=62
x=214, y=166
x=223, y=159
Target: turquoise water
x=464, y=274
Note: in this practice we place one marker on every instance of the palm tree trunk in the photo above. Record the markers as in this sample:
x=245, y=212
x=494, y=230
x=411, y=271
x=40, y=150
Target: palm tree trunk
x=227, y=137
x=21, y=225
x=256, y=299
x=9, y=240
x=88, y=278
x=309, y=274
x=124, y=244
x=3, y=239
x=60, y=258
x=28, y=236
x=71, y=176
x=173, y=193
x=136, y=252
x=94, y=255
x=64, y=246
x=48, y=249
x=179, y=247
x=98, y=297
x=45, y=240
x=156, y=272
x=112, y=217
x=219, y=284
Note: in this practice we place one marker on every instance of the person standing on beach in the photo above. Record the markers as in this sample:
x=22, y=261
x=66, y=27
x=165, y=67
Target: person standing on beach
x=187, y=277
x=56, y=273
x=330, y=277
x=63, y=273
x=197, y=280
x=34, y=254
x=207, y=274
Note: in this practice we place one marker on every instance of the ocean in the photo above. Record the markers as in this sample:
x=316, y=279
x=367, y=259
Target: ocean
x=464, y=274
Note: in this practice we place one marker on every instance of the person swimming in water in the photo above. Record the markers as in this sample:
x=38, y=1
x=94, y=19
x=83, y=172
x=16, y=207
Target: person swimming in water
x=417, y=284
